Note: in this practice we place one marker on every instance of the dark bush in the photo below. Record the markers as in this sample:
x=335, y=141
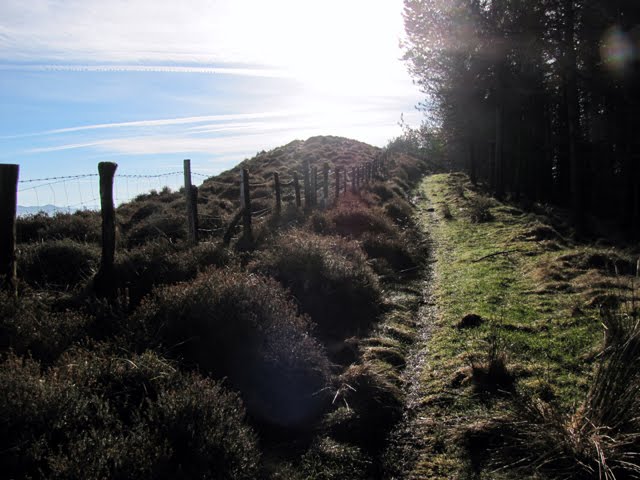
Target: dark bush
x=142, y=212
x=375, y=404
x=328, y=460
x=243, y=327
x=400, y=211
x=383, y=191
x=170, y=226
x=29, y=325
x=160, y=262
x=58, y=264
x=103, y=416
x=30, y=228
x=330, y=278
x=395, y=252
x=353, y=218
x=81, y=226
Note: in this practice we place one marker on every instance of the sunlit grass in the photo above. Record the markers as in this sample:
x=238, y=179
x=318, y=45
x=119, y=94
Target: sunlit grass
x=499, y=268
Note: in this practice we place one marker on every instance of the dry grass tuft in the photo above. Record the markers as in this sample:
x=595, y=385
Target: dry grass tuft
x=601, y=438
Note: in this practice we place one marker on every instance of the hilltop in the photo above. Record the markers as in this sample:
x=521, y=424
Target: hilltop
x=277, y=356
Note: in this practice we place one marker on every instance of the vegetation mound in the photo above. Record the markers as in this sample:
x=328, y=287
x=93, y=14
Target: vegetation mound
x=244, y=327
x=329, y=276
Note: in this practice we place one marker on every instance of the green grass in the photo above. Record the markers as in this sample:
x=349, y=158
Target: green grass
x=502, y=270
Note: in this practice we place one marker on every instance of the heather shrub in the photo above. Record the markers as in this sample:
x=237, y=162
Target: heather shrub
x=156, y=263
x=328, y=459
x=400, y=211
x=330, y=278
x=319, y=222
x=246, y=328
x=102, y=416
x=29, y=325
x=81, y=226
x=383, y=191
x=400, y=187
x=353, y=218
x=58, y=264
x=207, y=254
x=30, y=228
x=374, y=406
x=408, y=168
x=143, y=211
x=168, y=225
x=393, y=253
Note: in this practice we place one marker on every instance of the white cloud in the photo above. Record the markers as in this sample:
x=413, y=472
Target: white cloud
x=246, y=72
x=375, y=126
x=157, y=123
x=333, y=44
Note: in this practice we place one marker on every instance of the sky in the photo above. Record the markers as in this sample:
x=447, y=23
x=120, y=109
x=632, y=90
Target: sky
x=148, y=83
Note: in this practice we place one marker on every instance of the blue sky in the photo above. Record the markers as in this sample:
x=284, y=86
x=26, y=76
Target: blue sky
x=149, y=83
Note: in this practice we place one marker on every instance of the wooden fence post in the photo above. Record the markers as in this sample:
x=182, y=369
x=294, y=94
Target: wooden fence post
x=314, y=186
x=104, y=281
x=245, y=204
x=192, y=206
x=194, y=211
x=276, y=184
x=337, y=183
x=307, y=184
x=226, y=239
x=8, y=204
x=354, y=181
x=296, y=187
x=325, y=187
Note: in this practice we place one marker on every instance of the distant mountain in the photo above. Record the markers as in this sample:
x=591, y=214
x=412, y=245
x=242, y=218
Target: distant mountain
x=48, y=209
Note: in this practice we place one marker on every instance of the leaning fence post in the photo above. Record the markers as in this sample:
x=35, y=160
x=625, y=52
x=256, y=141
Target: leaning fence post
x=104, y=281
x=296, y=187
x=245, y=204
x=8, y=201
x=192, y=207
x=337, y=183
x=307, y=184
x=276, y=183
x=325, y=187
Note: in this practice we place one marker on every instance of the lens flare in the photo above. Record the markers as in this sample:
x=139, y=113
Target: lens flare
x=617, y=50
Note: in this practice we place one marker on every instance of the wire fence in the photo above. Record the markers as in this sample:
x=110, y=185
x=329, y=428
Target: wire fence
x=71, y=193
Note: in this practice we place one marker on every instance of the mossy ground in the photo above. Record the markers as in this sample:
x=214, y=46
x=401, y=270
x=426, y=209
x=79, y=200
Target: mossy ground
x=537, y=293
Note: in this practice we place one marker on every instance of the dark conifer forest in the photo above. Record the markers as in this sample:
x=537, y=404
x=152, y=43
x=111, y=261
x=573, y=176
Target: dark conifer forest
x=536, y=98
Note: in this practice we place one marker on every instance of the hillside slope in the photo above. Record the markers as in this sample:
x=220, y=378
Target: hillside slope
x=274, y=358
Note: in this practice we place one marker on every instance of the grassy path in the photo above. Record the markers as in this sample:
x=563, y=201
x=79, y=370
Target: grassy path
x=510, y=305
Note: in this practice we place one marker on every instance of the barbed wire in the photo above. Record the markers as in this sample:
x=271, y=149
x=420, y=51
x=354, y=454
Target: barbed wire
x=69, y=177
x=151, y=176
x=121, y=175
